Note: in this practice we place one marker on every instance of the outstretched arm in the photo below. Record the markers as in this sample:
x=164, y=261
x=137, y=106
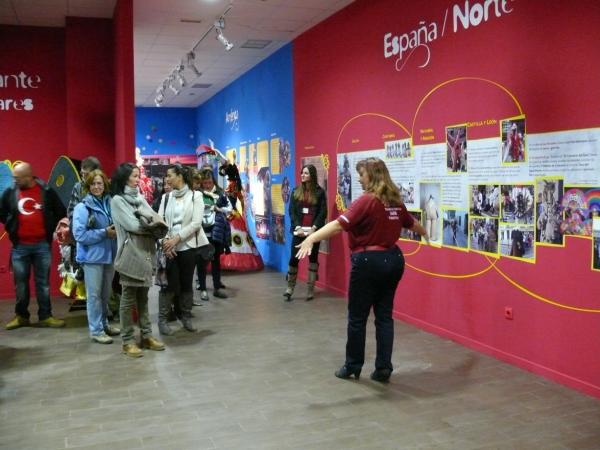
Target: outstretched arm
x=420, y=229
x=331, y=229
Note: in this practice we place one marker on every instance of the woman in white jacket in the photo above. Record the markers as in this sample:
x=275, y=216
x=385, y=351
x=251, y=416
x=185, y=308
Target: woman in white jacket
x=182, y=209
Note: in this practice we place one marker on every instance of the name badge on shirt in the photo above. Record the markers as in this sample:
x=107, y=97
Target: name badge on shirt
x=304, y=210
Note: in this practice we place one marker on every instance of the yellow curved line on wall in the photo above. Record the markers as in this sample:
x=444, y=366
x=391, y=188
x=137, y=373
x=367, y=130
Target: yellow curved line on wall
x=414, y=252
x=337, y=145
x=544, y=299
x=456, y=277
x=453, y=80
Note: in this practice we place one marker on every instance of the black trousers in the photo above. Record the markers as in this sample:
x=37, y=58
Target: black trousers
x=374, y=277
x=180, y=275
x=314, y=255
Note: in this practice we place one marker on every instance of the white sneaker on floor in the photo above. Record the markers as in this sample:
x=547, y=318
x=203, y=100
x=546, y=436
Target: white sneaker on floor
x=102, y=338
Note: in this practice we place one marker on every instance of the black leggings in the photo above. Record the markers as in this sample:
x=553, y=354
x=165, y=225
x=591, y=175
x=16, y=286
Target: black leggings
x=314, y=255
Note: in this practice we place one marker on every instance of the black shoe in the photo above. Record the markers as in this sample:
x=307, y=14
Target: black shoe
x=345, y=373
x=221, y=286
x=381, y=375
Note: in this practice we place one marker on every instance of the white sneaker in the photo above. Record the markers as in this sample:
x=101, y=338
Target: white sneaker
x=102, y=338
x=204, y=296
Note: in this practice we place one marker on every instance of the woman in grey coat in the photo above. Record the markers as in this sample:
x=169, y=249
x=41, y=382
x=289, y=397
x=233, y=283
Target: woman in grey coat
x=134, y=263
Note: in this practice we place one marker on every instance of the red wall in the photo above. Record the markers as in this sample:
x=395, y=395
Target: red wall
x=540, y=53
x=79, y=108
x=124, y=82
x=91, y=91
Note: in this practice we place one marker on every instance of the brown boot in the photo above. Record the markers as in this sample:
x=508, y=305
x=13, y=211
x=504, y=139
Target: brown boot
x=291, y=277
x=152, y=343
x=132, y=350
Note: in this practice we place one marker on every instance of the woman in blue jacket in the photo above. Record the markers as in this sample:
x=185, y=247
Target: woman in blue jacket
x=96, y=249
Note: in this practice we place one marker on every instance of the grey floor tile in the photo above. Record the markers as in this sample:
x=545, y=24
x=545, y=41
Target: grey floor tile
x=259, y=375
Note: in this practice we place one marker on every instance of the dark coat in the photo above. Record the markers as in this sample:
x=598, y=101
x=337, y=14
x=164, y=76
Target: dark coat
x=53, y=211
x=319, y=212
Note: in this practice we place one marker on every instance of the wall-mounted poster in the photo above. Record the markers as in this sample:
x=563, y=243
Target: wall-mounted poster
x=456, y=229
x=513, y=140
x=580, y=205
x=548, y=194
x=430, y=203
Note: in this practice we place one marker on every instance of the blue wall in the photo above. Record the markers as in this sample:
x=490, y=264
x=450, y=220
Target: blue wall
x=165, y=131
x=263, y=100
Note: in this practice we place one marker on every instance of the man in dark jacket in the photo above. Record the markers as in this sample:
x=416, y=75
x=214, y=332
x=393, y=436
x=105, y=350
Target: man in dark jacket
x=30, y=210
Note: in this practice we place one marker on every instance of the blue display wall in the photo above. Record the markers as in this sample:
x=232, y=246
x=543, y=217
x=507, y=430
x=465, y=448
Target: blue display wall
x=165, y=131
x=252, y=120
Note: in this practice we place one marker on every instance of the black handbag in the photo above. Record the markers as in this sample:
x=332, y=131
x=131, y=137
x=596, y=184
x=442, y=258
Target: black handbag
x=206, y=252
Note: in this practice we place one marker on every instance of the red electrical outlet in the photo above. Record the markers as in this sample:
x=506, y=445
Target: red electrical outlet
x=508, y=313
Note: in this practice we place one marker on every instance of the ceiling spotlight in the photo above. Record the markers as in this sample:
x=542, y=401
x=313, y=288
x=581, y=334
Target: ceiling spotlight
x=220, y=23
x=160, y=97
x=223, y=40
x=179, y=76
x=172, y=85
x=190, y=62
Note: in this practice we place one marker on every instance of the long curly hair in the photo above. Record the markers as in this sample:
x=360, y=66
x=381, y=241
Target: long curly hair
x=379, y=182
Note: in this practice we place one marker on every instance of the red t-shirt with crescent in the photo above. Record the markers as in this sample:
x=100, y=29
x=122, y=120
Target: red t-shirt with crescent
x=370, y=222
x=31, y=216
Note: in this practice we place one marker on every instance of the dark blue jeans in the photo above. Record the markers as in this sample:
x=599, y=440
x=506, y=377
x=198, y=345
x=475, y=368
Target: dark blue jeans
x=374, y=277
x=24, y=257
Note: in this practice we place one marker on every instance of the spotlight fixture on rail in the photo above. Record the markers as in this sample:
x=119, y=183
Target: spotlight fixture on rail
x=176, y=80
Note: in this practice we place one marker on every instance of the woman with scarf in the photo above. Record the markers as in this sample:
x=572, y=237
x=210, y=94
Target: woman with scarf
x=216, y=227
x=182, y=209
x=136, y=247
x=95, y=235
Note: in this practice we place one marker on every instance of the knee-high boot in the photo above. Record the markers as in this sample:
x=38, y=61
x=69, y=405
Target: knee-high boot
x=165, y=300
x=313, y=275
x=291, y=277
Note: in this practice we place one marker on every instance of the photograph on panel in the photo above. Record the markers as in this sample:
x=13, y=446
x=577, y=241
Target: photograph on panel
x=410, y=235
x=548, y=207
x=285, y=154
x=580, y=205
x=430, y=204
x=456, y=148
x=286, y=190
x=483, y=235
x=278, y=229
x=407, y=192
x=516, y=205
x=513, y=140
x=517, y=241
x=344, y=181
x=400, y=149
x=456, y=228
x=263, y=227
x=485, y=200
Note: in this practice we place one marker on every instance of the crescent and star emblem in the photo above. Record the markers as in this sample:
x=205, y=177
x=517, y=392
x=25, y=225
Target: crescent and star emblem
x=21, y=206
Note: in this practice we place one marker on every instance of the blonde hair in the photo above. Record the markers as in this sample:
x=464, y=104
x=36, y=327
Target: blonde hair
x=89, y=179
x=380, y=183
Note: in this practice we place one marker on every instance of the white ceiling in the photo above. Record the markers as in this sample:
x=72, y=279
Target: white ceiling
x=161, y=39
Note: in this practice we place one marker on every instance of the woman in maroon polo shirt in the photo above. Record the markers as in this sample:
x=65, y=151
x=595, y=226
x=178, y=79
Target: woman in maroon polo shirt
x=373, y=223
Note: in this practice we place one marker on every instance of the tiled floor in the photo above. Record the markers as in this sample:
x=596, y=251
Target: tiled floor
x=259, y=374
